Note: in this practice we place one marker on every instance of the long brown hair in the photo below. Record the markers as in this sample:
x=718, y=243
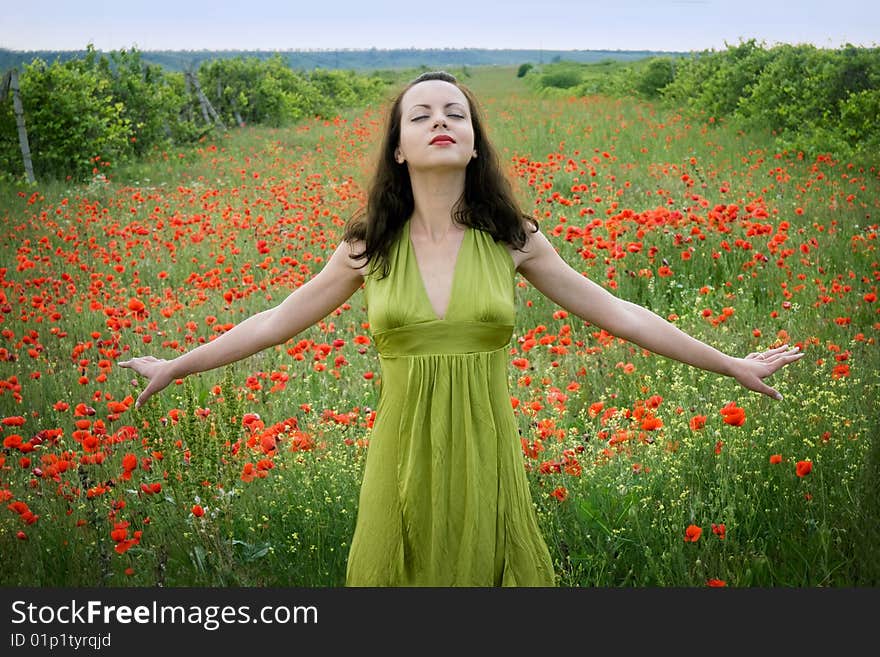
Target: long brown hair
x=487, y=202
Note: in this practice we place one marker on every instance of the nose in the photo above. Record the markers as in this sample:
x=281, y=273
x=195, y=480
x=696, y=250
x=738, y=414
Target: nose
x=440, y=120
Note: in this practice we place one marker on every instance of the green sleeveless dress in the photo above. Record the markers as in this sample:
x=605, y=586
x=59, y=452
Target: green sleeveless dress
x=445, y=500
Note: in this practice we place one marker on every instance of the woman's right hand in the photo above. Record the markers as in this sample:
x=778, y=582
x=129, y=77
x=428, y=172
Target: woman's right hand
x=157, y=370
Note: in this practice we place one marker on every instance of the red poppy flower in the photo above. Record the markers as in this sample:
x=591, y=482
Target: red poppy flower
x=692, y=534
x=733, y=415
x=136, y=306
x=129, y=462
x=803, y=468
x=560, y=493
x=840, y=371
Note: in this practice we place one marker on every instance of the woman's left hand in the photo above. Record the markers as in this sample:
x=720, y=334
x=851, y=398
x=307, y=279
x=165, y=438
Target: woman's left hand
x=751, y=370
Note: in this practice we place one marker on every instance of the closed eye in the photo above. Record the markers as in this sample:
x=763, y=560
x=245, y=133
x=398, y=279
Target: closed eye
x=454, y=115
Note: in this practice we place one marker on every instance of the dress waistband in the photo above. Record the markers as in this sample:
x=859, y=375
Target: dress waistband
x=442, y=337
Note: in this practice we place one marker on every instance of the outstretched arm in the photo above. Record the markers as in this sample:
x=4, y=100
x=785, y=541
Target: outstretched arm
x=305, y=306
x=551, y=275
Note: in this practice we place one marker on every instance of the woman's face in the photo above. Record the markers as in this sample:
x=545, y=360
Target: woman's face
x=436, y=131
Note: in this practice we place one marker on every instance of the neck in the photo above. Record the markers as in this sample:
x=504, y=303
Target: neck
x=435, y=195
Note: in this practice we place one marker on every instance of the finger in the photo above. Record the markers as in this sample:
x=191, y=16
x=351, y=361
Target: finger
x=139, y=359
x=780, y=350
x=764, y=389
x=146, y=393
x=772, y=354
x=143, y=397
x=781, y=360
x=791, y=355
x=133, y=365
x=152, y=388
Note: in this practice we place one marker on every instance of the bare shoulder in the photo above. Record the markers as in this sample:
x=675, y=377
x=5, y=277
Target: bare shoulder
x=535, y=243
x=343, y=259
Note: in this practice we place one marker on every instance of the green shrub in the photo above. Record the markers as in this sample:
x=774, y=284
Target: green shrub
x=812, y=99
x=657, y=74
x=715, y=82
x=858, y=121
x=75, y=125
x=85, y=114
x=561, y=79
x=151, y=104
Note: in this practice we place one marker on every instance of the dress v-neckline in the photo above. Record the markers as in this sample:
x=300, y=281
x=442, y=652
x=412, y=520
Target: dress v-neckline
x=425, y=295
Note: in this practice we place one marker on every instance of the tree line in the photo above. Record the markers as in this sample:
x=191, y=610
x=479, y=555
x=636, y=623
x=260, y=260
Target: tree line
x=372, y=59
x=812, y=99
x=74, y=118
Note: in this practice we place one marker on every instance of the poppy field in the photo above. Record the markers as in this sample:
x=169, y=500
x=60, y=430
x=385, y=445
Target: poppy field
x=644, y=471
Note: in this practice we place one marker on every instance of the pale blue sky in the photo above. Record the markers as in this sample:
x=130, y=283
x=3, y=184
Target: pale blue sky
x=673, y=25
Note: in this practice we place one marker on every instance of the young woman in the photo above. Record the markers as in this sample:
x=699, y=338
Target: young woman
x=445, y=498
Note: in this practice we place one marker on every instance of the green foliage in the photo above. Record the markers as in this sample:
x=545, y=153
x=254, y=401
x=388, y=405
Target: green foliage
x=187, y=126
x=802, y=91
x=253, y=91
x=858, y=121
x=372, y=60
x=657, y=74
x=790, y=93
x=714, y=83
x=339, y=89
x=607, y=77
x=810, y=99
x=563, y=78
x=523, y=69
x=84, y=115
x=75, y=125
x=150, y=102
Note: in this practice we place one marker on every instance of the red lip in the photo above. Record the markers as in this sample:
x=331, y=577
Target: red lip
x=443, y=139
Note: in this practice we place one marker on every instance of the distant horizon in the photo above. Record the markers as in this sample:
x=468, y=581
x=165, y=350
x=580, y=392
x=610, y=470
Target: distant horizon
x=355, y=50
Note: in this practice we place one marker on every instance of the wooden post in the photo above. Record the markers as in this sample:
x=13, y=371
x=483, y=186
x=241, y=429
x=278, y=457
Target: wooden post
x=193, y=80
x=10, y=82
x=207, y=108
x=232, y=102
x=188, y=92
x=236, y=113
